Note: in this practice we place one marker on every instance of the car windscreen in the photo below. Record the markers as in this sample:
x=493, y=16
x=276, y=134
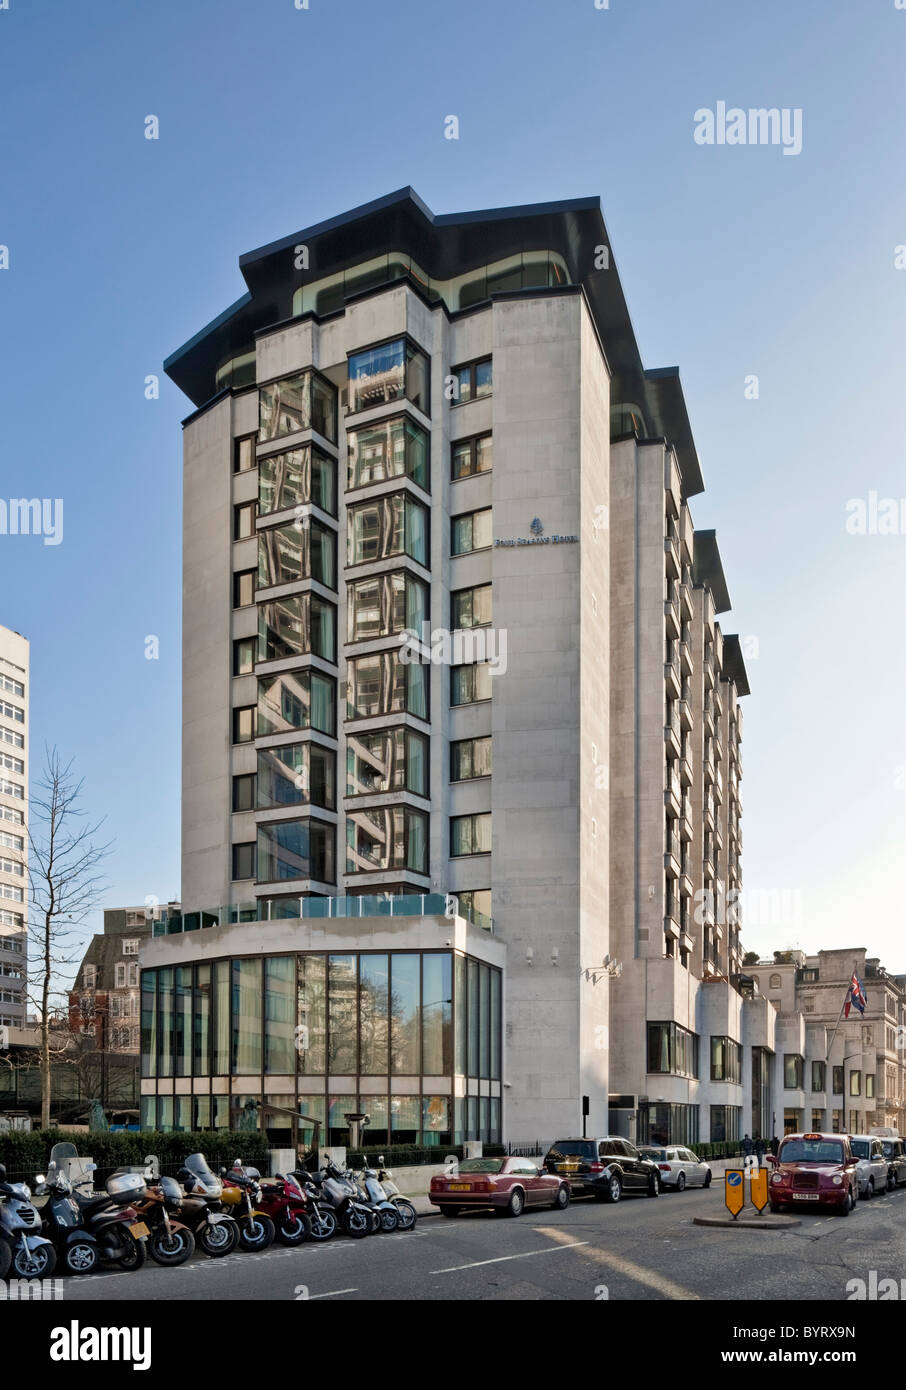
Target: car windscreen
x=572, y=1148
x=659, y=1155
x=481, y=1165
x=811, y=1151
x=889, y=1150
x=861, y=1148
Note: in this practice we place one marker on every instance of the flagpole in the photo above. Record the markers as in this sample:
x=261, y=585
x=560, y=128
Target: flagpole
x=837, y=1024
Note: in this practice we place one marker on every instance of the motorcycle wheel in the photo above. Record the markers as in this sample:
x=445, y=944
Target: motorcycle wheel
x=256, y=1233
x=219, y=1239
x=406, y=1213
x=390, y=1220
x=135, y=1255
x=6, y=1258
x=34, y=1264
x=173, y=1249
x=323, y=1224
x=356, y=1223
x=375, y=1222
x=295, y=1230
x=80, y=1258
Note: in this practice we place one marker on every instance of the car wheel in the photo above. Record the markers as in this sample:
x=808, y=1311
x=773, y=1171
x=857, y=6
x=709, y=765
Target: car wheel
x=561, y=1201
x=654, y=1186
x=516, y=1204
x=846, y=1207
x=681, y=1182
x=708, y=1178
x=614, y=1189
x=449, y=1211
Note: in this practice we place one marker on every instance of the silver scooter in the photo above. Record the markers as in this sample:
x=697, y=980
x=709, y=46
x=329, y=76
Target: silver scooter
x=405, y=1209
x=372, y=1192
x=22, y=1245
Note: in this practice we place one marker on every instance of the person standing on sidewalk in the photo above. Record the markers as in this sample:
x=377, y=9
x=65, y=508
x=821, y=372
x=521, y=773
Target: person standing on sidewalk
x=746, y=1146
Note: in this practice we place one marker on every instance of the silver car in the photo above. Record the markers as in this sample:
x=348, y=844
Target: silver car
x=678, y=1167
x=873, y=1168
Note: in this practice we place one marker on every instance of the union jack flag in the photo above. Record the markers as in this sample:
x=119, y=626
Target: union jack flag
x=855, y=996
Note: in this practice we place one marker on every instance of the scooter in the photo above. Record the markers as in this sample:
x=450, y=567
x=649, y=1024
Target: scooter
x=85, y=1229
x=287, y=1206
x=371, y=1192
x=407, y=1213
x=22, y=1246
x=324, y=1223
x=242, y=1194
x=216, y=1233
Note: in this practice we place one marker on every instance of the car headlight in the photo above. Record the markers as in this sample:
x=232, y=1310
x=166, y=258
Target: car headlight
x=837, y=1179
x=776, y=1177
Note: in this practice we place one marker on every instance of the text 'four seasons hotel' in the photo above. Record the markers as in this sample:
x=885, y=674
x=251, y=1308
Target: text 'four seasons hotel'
x=460, y=727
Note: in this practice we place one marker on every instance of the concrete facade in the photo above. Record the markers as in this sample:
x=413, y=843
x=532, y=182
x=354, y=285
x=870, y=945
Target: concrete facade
x=14, y=698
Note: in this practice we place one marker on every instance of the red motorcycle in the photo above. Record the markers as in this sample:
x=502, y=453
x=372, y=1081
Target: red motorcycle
x=287, y=1205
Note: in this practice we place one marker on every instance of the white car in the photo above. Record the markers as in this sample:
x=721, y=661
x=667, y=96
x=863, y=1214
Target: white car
x=678, y=1167
x=873, y=1166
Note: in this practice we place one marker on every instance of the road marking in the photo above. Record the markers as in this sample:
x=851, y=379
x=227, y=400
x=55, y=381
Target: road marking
x=333, y=1294
x=632, y=1271
x=501, y=1259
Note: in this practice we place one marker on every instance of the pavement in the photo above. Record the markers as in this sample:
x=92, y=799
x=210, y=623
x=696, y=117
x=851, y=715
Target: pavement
x=639, y=1249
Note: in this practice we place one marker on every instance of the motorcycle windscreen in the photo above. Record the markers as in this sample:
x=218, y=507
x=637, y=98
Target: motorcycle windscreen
x=197, y=1165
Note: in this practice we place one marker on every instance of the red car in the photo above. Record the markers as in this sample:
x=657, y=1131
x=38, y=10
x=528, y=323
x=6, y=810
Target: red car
x=507, y=1185
x=814, y=1170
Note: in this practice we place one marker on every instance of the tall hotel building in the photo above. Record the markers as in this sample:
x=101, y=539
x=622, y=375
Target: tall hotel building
x=448, y=883
x=13, y=828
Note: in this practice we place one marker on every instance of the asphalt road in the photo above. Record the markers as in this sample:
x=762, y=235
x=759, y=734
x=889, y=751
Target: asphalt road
x=640, y=1249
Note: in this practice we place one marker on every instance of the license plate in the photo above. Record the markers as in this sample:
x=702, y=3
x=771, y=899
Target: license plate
x=139, y=1229
x=459, y=1187
x=567, y=1167
x=805, y=1196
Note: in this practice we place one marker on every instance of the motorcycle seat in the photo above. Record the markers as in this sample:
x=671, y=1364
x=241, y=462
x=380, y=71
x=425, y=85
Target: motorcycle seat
x=91, y=1205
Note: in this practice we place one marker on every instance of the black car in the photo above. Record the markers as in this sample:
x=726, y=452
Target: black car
x=605, y=1168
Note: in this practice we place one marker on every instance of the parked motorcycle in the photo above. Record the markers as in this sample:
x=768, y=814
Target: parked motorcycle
x=242, y=1195
x=215, y=1231
x=104, y=1226
x=22, y=1246
x=355, y=1217
x=371, y=1192
x=171, y=1241
x=407, y=1213
x=321, y=1215
x=287, y=1205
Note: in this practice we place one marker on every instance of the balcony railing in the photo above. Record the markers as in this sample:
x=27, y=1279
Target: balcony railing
x=359, y=905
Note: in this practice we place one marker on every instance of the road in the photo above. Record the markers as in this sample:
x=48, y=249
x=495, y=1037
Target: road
x=639, y=1249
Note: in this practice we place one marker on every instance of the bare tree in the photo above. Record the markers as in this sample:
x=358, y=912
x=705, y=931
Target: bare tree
x=64, y=886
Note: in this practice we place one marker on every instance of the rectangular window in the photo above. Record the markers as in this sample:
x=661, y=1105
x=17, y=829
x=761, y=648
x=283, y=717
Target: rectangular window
x=405, y=999
x=374, y=1015
x=855, y=1083
x=243, y=588
x=299, y=550
x=311, y=1018
x=221, y=1031
x=131, y=946
x=300, y=402
x=297, y=478
x=244, y=454
x=243, y=861
x=279, y=1014
x=383, y=684
x=472, y=456
x=471, y=607
x=291, y=849
x=390, y=449
x=869, y=1085
x=245, y=1051
x=672, y=1050
x=470, y=757
x=244, y=724
x=391, y=372
x=437, y=1014
x=244, y=792
x=470, y=834
x=393, y=524
x=386, y=760
x=385, y=604
x=297, y=700
x=201, y=1021
x=471, y=531
x=470, y=684
x=838, y=1081
x=244, y=651
x=342, y=1018
x=297, y=625
x=149, y=1023
x=472, y=381
x=475, y=906
x=243, y=521
x=387, y=838
x=726, y=1060
x=793, y=1069
x=297, y=774
x=819, y=1074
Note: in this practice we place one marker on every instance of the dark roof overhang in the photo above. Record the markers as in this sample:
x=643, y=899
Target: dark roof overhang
x=734, y=668
x=708, y=571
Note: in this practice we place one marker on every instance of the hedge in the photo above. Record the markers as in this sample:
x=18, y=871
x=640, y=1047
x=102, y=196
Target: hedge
x=26, y=1154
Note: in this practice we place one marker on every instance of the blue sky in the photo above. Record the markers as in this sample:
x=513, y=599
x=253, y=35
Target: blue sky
x=735, y=261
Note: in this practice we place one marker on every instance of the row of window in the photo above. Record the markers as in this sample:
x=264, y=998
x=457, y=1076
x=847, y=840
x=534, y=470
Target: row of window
x=13, y=687
x=14, y=895
x=10, y=711
x=12, y=866
x=398, y=1013
x=11, y=841
x=11, y=789
x=11, y=813
x=379, y=839
x=381, y=760
x=12, y=764
x=794, y=1077
x=12, y=737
